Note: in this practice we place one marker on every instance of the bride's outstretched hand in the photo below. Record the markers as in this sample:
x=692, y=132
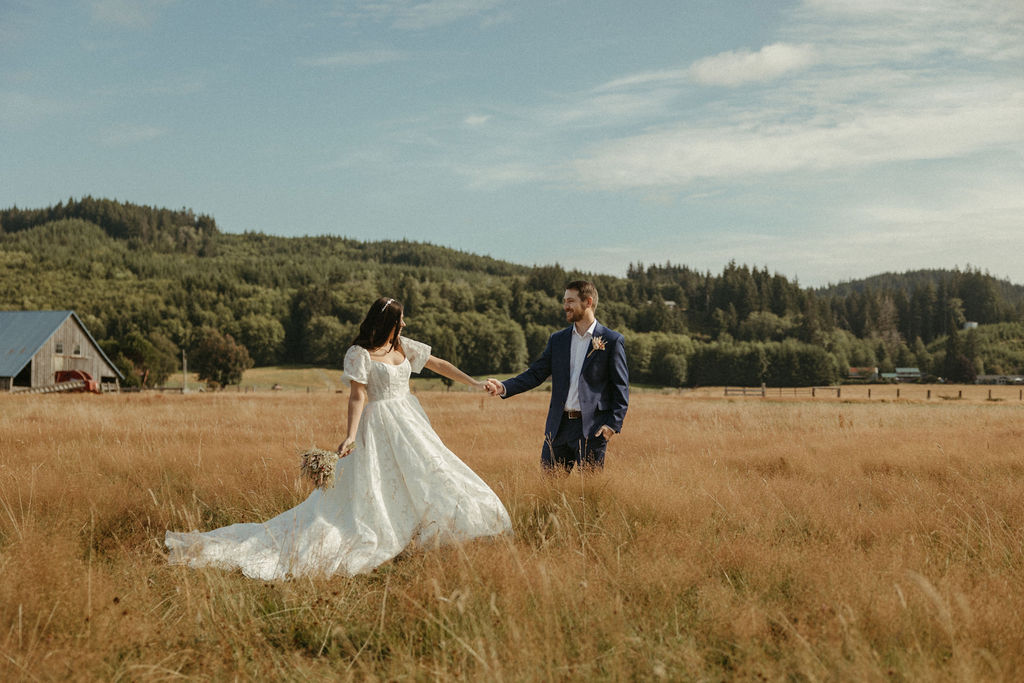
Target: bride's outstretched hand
x=346, y=447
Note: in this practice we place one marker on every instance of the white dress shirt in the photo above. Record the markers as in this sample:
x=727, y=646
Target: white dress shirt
x=578, y=349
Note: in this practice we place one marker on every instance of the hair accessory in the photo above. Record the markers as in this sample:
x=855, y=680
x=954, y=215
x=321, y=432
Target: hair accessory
x=386, y=304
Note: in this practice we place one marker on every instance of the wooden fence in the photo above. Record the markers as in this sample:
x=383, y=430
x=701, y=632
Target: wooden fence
x=886, y=392
x=764, y=391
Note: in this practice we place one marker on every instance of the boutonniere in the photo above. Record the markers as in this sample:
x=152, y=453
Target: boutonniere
x=596, y=344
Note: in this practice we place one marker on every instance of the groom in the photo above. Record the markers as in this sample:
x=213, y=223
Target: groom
x=589, y=384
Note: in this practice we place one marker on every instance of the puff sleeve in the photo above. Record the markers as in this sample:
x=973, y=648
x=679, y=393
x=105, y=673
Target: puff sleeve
x=357, y=365
x=418, y=353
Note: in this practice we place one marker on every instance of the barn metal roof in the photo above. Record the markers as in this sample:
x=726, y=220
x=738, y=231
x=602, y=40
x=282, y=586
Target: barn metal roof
x=23, y=333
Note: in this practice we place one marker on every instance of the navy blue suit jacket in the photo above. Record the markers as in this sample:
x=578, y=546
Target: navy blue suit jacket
x=604, y=382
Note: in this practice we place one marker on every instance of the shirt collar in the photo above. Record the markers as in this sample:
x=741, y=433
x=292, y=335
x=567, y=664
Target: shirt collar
x=588, y=333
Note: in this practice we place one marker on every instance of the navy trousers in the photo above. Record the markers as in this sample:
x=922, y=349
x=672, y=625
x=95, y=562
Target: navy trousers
x=572, y=447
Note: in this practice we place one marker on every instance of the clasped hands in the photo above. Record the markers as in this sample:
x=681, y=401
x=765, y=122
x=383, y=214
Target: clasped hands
x=496, y=388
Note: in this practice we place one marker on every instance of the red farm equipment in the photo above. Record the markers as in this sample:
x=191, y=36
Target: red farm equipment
x=76, y=380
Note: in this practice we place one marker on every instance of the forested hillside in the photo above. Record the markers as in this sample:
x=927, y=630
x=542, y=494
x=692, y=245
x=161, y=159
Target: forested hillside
x=149, y=282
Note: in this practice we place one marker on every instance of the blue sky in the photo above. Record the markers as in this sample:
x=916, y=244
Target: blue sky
x=823, y=139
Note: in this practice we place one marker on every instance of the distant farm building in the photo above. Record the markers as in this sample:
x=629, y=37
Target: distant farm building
x=999, y=379
x=867, y=373
x=52, y=351
x=903, y=375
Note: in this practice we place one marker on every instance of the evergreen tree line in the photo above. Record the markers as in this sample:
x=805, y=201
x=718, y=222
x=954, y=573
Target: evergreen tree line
x=154, y=228
x=149, y=282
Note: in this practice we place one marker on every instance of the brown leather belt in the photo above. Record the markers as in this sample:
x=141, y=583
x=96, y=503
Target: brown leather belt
x=573, y=414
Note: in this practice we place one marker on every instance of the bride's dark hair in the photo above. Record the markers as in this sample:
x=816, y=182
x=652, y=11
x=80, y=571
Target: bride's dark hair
x=382, y=324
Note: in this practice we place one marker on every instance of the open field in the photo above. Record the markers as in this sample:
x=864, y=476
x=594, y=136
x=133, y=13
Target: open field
x=750, y=539
x=290, y=378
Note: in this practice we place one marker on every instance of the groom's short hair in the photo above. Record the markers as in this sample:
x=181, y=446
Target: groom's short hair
x=586, y=289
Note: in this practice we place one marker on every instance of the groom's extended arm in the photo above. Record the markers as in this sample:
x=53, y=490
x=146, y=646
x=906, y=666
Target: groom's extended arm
x=538, y=371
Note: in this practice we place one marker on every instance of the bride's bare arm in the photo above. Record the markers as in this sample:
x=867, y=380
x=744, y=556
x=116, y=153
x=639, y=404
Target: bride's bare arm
x=356, y=403
x=446, y=369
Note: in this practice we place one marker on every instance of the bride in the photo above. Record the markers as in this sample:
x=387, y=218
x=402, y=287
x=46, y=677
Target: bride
x=396, y=486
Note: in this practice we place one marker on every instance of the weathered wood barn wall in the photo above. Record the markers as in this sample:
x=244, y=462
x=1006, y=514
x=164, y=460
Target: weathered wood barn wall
x=35, y=345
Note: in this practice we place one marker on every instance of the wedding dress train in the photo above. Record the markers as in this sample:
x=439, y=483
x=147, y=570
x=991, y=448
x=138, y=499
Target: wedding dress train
x=400, y=486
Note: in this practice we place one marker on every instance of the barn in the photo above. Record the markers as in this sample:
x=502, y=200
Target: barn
x=37, y=345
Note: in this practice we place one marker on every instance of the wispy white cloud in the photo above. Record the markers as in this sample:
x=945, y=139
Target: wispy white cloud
x=739, y=67
x=744, y=146
x=939, y=240
x=902, y=30
x=433, y=13
x=735, y=67
x=491, y=176
x=425, y=14
x=892, y=81
x=726, y=69
x=128, y=13
x=852, y=84
x=601, y=108
x=661, y=76
x=119, y=136
x=18, y=109
x=357, y=58
x=476, y=120
x=984, y=212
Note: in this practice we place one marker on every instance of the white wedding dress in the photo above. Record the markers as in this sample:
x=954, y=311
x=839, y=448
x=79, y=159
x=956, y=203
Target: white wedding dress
x=400, y=486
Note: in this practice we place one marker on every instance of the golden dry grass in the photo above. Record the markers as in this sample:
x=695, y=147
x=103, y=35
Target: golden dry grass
x=727, y=539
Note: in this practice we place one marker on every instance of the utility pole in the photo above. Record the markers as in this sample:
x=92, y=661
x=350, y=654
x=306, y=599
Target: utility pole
x=184, y=373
